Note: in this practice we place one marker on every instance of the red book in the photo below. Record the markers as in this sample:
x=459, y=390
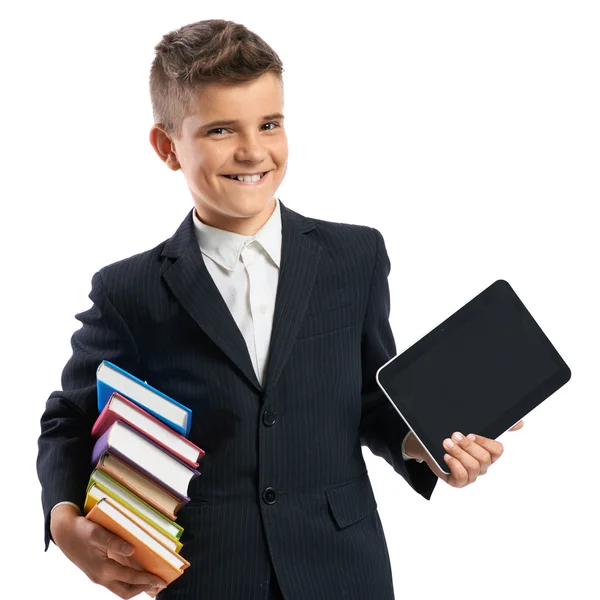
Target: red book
x=119, y=407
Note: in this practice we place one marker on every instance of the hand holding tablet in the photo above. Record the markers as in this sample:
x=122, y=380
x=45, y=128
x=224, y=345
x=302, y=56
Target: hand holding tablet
x=469, y=456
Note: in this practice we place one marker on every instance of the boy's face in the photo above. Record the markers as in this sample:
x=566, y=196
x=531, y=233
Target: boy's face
x=208, y=152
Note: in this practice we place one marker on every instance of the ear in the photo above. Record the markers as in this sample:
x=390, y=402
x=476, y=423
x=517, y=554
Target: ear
x=164, y=146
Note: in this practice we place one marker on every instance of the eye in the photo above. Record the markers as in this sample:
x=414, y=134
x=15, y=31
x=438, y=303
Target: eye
x=216, y=129
x=272, y=123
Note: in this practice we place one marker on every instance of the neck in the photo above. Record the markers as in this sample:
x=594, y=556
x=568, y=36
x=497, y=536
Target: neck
x=241, y=225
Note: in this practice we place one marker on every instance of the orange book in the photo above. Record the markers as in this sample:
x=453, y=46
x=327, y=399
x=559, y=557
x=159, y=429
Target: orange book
x=151, y=554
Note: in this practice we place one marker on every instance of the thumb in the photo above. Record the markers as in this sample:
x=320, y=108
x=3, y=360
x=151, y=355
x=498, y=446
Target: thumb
x=105, y=540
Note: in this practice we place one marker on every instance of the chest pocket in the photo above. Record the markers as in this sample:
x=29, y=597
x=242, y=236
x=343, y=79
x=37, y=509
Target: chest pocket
x=328, y=321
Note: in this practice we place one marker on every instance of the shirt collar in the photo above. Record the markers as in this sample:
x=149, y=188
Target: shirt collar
x=225, y=247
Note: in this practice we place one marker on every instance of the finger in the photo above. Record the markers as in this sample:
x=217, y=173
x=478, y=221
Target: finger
x=152, y=592
x=517, y=426
x=471, y=464
x=107, y=541
x=108, y=571
x=494, y=447
x=117, y=572
x=480, y=454
x=459, y=477
x=127, y=561
x=126, y=590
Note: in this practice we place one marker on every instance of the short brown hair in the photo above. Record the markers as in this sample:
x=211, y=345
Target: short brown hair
x=209, y=51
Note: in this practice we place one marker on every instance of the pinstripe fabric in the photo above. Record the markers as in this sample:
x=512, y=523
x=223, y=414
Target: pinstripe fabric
x=284, y=487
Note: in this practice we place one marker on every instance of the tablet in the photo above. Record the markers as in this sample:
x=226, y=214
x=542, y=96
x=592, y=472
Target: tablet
x=480, y=371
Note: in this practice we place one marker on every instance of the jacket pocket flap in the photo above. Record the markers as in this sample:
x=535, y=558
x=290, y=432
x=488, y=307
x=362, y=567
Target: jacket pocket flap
x=326, y=322
x=351, y=502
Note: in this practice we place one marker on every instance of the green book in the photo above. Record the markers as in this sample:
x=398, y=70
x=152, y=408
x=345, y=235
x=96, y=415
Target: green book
x=133, y=502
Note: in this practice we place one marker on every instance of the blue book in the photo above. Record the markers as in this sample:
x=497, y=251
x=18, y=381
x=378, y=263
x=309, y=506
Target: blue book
x=110, y=378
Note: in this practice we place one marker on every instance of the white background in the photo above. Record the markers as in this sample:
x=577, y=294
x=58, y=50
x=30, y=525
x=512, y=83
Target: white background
x=466, y=132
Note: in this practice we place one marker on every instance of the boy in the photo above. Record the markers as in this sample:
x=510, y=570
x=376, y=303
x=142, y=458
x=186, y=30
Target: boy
x=284, y=506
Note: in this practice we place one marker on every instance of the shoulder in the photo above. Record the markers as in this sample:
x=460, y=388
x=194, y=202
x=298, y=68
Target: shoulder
x=134, y=274
x=342, y=234
x=361, y=239
x=352, y=250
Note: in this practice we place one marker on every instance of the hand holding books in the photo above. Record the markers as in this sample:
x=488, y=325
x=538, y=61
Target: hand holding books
x=88, y=545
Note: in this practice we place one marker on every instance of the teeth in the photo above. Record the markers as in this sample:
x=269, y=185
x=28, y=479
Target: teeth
x=247, y=178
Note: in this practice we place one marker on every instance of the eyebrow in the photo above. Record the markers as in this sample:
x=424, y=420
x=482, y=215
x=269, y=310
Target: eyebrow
x=235, y=121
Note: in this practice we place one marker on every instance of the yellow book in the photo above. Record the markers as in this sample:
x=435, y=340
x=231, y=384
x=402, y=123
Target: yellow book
x=96, y=492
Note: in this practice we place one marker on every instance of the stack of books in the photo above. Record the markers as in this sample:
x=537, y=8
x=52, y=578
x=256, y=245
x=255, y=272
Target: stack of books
x=144, y=464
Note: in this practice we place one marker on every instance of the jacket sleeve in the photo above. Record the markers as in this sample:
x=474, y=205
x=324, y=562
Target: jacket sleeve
x=65, y=444
x=382, y=429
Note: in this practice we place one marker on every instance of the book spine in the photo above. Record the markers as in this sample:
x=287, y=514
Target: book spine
x=104, y=421
x=101, y=445
x=104, y=392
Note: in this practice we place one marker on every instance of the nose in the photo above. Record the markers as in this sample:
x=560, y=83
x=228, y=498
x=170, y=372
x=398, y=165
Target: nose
x=250, y=149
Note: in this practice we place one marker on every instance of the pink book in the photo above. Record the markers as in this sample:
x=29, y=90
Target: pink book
x=119, y=407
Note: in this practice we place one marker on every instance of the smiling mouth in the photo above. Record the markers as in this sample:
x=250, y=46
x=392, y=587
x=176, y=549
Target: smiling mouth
x=235, y=177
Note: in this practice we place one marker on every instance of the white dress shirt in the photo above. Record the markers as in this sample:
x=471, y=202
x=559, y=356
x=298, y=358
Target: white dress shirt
x=245, y=269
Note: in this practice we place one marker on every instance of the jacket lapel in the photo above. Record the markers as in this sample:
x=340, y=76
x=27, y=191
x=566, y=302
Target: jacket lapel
x=191, y=283
x=300, y=253
x=195, y=289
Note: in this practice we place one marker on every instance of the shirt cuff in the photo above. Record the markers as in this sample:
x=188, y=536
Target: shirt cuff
x=404, y=455
x=65, y=502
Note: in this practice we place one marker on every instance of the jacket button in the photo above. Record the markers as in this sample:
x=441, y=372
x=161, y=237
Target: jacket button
x=270, y=495
x=269, y=418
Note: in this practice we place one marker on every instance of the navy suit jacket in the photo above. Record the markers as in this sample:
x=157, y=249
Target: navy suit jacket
x=284, y=484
